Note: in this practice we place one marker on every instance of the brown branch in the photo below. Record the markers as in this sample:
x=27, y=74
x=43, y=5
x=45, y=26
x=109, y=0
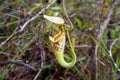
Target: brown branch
x=18, y=62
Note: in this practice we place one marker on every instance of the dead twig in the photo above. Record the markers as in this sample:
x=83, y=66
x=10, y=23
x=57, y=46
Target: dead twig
x=99, y=37
x=18, y=62
x=110, y=52
x=96, y=61
x=106, y=21
x=42, y=60
x=16, y=31
x=37, y=15
x=9, y=38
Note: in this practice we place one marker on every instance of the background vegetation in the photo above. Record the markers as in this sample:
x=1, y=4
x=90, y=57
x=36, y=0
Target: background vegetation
x=26, y=54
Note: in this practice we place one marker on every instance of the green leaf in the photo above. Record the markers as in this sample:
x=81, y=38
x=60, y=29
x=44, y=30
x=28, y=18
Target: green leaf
x=36, y=7
x=56, y=8
x=82, y=58
x=117, y=10
x=56, y=20
x=118, y=61
x=79, y=23
x=114, y=32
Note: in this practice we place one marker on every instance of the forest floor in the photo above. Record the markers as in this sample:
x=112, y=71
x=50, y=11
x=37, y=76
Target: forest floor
x=27, y=54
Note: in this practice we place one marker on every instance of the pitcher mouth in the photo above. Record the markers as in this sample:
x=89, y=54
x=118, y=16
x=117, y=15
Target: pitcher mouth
x=58, y=40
